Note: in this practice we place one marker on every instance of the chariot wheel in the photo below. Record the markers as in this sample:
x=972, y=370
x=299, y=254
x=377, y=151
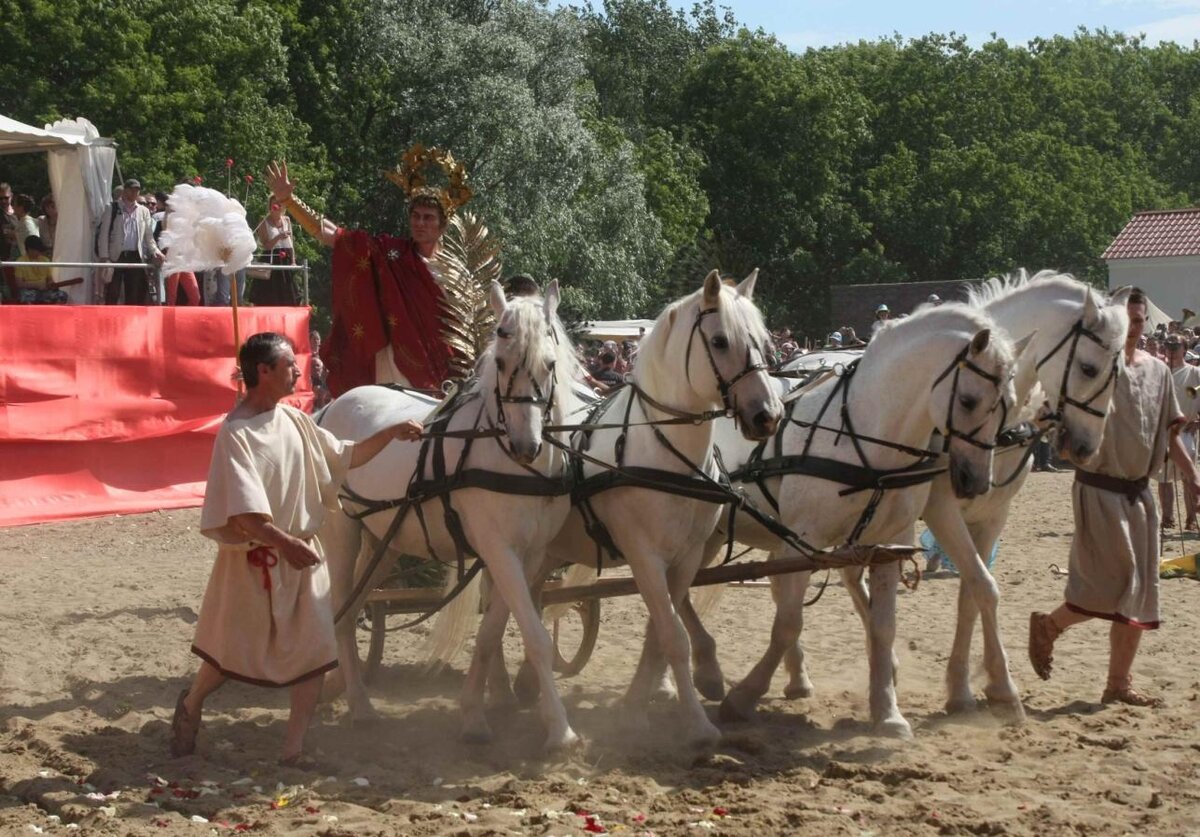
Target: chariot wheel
x=574, y=634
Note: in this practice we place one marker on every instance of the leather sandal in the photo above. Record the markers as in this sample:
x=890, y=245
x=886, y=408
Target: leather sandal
x=1129, y=696
x=184, y=729
x=1042, y=633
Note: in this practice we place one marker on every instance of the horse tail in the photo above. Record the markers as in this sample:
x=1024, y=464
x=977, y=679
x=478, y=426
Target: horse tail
x=576, y=575
x=454, y=623
x=705, y=599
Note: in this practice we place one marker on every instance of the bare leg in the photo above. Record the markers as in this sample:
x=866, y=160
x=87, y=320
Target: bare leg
x=304, y=704
x=1166, y=500
x=207, y=680
x=1123, y=647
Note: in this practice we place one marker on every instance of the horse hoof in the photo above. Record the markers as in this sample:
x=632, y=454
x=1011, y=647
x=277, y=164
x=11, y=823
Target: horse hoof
x=564, y=744
x=364, y=716
x=525, y=688
x=705, y=737
x=476, y=737
x=710, y=687
x=960, y=705
x=1010, y=712
x=800, y=690
x=894, y=728
x=734, y=711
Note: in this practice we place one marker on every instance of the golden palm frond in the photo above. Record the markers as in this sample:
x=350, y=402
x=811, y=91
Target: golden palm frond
x=468, y=262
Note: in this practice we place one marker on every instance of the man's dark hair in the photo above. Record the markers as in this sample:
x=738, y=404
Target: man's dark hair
x=430, y=201
x=26, y=202
x=1136, y=297
x=161, y=197
x=266, y=347
x=35, y=243
x=521, y=284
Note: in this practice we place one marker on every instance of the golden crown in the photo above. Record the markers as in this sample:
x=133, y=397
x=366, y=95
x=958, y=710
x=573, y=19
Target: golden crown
x=410, y=175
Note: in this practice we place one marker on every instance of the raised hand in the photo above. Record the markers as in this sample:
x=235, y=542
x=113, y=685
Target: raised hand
x=277, y=178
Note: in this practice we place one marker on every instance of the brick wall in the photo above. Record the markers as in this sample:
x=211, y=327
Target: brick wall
x=854, y=305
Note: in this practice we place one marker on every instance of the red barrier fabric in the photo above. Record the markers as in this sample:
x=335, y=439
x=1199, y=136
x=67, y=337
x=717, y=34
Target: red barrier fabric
x=113, y=409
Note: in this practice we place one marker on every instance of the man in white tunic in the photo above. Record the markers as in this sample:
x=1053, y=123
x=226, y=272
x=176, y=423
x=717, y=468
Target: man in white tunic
x=1187, y=380
x=1115, y=551
x=266, y=618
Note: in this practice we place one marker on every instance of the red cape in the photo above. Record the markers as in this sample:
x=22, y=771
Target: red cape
x=383, y=293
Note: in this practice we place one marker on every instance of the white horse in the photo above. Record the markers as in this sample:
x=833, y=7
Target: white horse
x=704, y=355
x=522, y=381
x=1075, y=341
x=947, y=369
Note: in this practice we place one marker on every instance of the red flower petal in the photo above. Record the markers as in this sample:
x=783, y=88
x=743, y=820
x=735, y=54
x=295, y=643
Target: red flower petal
x=310, y=809
x=721, y=812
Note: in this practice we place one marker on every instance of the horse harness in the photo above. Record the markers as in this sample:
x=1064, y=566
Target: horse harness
x=443, y=482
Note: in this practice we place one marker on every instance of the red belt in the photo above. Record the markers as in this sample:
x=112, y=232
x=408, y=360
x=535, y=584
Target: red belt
x=264, y=558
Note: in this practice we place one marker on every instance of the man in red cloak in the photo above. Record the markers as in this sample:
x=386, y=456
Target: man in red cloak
x=386, y=300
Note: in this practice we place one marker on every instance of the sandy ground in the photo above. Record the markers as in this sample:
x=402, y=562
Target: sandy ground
x=97, y=617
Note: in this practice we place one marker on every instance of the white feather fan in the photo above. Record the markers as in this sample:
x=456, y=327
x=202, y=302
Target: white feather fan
x=206, y=230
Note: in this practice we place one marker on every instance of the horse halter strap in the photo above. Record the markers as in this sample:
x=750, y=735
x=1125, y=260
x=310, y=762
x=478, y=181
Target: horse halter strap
x=1064, y=397
x=725, y=387
x=961, y=362
x=538, y=397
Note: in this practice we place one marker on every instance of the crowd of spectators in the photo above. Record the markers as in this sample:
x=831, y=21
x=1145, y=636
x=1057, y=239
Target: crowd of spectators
x=1174, y=333
x=127, y=236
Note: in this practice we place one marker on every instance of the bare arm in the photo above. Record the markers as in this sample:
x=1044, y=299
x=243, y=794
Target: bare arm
x=1179, y=455
x=284, y=190
x=258, y=527
x=369, y=448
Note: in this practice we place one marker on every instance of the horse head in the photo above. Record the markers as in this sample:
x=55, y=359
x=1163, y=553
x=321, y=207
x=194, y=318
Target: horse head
x=527, y=368
x=970, y=400
x=723, y=341
x=1079, y=375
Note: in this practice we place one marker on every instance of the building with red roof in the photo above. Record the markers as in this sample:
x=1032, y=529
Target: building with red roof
x=1159, y=251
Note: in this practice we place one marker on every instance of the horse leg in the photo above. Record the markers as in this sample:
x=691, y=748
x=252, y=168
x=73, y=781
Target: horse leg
x=799, y=683
x=788, y=592
x=1001, y=691
x=885, y=714
x=488, y=649
x=341, y=537
x=661, y=588
x=525, y=686
x=509, y=576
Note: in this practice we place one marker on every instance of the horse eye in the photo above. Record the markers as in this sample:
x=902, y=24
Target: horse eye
x=1088, y=370
x=720, y=342
x=968, y=402
x=501, y=333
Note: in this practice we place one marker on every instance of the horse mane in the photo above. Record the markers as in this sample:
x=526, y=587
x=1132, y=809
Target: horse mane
x=940, y=319
x=1112, y=327
x=739, y=318
x=528, y=334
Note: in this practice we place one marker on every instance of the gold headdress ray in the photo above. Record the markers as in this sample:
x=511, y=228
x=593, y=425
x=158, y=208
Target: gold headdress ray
x=411, y=175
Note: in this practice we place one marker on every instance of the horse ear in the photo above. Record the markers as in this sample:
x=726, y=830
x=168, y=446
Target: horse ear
x=712, y=288
x=1022, y=345
x=551, y=299
x=499, y=303
x=980, y=341
x=746, y=286
x=1091, y=311
x=1121, y=296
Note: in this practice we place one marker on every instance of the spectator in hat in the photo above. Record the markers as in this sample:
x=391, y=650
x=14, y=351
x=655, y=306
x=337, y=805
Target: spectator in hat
x=834, y=340
x=850, y=339
x=934, y=300
x=127, y=239
x=882, y=314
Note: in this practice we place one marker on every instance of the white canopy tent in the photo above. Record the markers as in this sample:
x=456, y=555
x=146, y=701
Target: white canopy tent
x=80, y=164
x=614, y=329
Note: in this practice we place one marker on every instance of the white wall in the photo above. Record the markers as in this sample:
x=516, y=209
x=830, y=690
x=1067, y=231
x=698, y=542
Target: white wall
x=1171, y=283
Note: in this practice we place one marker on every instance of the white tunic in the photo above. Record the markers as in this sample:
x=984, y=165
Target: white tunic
x=1115, y=551
x=263, y=621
